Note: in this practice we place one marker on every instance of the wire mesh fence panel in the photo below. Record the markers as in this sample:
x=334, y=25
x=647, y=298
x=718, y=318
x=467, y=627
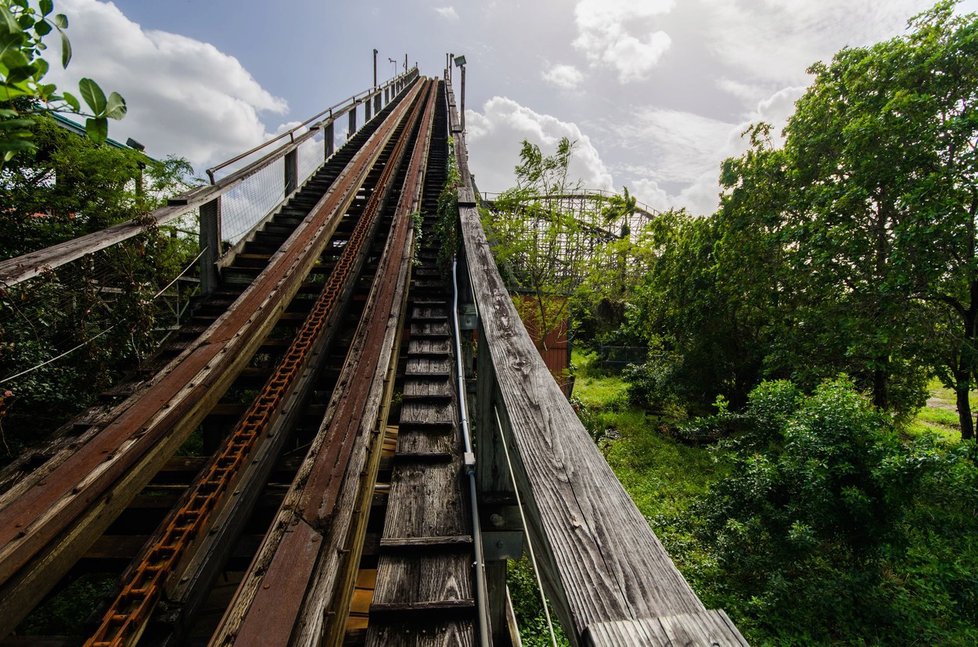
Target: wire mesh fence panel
x=310, y=156
x=247, y=204
x=69, y=333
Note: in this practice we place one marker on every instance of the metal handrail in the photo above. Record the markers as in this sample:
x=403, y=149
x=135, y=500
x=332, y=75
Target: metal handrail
x=21, y=268
x=341, y=107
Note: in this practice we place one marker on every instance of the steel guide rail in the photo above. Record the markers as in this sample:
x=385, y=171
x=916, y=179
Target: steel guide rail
x=292, y=581
x=50, y=518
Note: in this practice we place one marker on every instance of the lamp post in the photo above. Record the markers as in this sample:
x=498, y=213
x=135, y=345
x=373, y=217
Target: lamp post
x=375, y=68
x=460, y=63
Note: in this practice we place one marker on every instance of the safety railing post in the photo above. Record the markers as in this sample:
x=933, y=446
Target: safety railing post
x=353, y=121
x=377, y=103
x=210, y=244
x=366, y=109
x=329, y=139
x=291, y=171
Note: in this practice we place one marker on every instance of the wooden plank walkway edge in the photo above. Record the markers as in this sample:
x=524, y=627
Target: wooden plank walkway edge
x=606, y=572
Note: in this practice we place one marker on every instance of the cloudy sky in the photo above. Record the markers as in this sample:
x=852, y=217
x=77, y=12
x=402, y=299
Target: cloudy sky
x=655, y=92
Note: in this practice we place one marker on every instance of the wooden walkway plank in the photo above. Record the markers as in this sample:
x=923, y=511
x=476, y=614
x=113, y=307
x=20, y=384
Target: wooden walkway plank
x=711, y=628
x=425, y=501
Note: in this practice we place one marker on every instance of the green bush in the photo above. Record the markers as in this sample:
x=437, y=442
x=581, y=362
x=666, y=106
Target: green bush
x=828, y=529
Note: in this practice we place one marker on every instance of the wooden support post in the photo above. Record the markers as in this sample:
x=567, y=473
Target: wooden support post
x=353, y=121
x=291, y=171
x=210, y=244
x=329, y=139
x=377, y=105
x=366, y=109
x=492, y=480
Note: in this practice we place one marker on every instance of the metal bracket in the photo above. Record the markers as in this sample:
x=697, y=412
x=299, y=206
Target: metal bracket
x=504, y=544
x=469, y=317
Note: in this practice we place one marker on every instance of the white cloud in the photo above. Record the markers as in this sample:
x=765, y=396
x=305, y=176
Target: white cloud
x=567, y=77
x=777, y=40
x=448, y=13
x=185, y=97
x=495, y=134
x=606, y=34
x=685, y=150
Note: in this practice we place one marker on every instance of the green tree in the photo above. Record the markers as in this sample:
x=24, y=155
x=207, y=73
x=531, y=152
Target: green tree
x=693, y=322
x=23, y=92
x=533, y=238
x=103, y=305
x=854, y=245
x=818, y=529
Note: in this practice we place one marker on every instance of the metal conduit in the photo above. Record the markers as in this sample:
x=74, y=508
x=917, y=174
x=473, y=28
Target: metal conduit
x=480, y=560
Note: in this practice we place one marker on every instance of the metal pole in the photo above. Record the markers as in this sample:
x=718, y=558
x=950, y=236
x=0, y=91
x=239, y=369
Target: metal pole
x=463, y=99
x=210, y=244
x=375, y=68
x=405, y=63
x=330, y=139
x=482, y=608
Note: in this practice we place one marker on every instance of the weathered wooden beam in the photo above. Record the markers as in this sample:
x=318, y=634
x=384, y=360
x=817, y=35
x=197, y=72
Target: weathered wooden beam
x=599, y=559
x=210, y=244
x=711, y=628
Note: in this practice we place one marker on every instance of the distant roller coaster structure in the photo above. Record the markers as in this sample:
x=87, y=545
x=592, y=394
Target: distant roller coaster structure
x=569, y=229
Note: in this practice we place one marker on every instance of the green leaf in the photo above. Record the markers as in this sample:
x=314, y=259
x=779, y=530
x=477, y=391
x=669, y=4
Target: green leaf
x=7, y=19
x=10, y=124
x=72, y=101
x=65, y=49
x=97, y=129
x=47, y=6
x=116, y=106
x=43, y=28
x=61, y=21
x=18, y=74
x=93, y=96
x=13, y=58
x=41, y=67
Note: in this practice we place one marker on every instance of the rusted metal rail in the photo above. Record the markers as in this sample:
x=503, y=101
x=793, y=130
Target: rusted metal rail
x=290, y=592
x=122, y=623
x=52, y=516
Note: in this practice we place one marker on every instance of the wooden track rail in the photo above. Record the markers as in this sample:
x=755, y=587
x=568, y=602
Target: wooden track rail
x=292, y=582
x=53, y=515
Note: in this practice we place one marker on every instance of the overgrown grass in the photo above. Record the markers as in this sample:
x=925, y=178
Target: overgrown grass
x=597, y=390
x=940, y=415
